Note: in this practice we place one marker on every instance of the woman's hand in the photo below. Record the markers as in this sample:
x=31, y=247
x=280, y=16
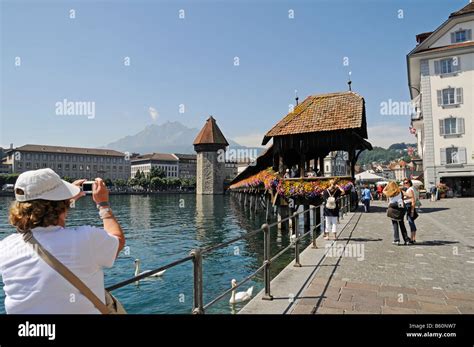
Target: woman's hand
x=100, y=193
x=79, y=183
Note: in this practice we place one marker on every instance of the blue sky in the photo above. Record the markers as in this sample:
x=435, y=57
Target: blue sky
x=190, y=61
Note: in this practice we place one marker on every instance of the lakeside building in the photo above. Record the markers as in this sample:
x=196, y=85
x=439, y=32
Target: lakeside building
x=231, y=169
x=176, y=165
x=440, y=78
x=186, y=165
x=383, y=171
x=73, y=162
x=5, y=168
x=402, y=170
x=164, y=161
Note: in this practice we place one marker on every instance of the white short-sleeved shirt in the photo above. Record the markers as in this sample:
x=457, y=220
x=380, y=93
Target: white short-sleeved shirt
x=395, y=199
x=33, y=287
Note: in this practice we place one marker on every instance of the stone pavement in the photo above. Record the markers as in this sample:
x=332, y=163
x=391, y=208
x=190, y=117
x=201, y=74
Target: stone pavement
x=363, y=272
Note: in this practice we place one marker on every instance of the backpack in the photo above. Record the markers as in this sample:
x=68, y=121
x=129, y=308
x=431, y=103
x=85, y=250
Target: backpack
x=331, y=201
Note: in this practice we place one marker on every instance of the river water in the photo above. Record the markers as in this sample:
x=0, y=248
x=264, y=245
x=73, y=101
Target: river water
x=163, y=228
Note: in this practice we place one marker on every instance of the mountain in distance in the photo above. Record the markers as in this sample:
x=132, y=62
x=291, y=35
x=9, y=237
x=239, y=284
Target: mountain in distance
x=169, y=137
x=386, y=155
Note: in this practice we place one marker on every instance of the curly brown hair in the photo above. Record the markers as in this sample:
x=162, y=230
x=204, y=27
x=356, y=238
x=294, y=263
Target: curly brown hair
x=36, y=213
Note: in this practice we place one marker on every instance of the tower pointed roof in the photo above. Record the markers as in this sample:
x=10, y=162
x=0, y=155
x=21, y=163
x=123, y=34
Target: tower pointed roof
x=210, y=134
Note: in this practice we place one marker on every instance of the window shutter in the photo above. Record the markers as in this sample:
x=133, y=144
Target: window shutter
x=459, y=96
x=457, y=67
x=440, y=97
x=453, y=38
x=437, y=67
x=469, y=34
x=462, y=155
x=443, y=156
x=460, y=125
x=441, y=127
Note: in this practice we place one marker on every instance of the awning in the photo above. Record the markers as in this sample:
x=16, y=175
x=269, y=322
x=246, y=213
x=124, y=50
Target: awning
x=457, y=174
x=367, y=176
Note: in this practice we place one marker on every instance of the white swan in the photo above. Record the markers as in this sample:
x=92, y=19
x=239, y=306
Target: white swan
x=240, y=296
x=138, y=273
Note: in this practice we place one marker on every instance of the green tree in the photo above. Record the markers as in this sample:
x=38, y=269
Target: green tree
x=156, y=183
x=68, y=179
x=406, y=158
x=144, y=182
x=108, y=182
x=157, y=172
x=11, y=178
x=133, y=182
x=120, y=183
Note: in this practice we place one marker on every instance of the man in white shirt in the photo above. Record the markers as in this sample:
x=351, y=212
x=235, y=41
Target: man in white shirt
x=42, y=200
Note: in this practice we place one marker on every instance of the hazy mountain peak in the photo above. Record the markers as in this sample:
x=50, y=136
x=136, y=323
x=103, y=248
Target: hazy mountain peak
x=168, y=137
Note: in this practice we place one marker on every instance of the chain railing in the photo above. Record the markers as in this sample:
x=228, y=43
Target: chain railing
x=197, y=255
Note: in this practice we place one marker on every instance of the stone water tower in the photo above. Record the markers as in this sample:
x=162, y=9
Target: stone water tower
x=210, y=145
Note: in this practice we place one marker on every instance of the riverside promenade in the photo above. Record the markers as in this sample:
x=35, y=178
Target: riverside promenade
x=362, y=272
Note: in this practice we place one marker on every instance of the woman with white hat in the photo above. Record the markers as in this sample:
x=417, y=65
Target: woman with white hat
x=39, y=213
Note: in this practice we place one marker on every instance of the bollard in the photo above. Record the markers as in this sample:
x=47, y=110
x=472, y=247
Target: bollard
x=198, y=304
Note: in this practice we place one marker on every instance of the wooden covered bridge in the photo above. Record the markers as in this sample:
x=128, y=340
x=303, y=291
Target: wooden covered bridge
x=302, y=139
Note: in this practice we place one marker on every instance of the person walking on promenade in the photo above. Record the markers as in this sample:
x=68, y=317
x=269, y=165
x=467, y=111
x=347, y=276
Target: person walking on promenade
x=380, y=192
x=366, y=197
x=331, y=208
x=411, y=197
x=396, y=212
x=434, y=192
x=39, y=213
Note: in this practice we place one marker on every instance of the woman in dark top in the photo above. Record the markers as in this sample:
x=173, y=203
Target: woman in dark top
x=331, y=208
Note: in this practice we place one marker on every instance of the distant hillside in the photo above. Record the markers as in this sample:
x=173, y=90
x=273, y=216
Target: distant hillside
x=170, y=137
x=385, y=155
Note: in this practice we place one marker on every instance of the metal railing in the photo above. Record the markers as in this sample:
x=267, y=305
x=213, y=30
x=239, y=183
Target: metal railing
x=196, y=255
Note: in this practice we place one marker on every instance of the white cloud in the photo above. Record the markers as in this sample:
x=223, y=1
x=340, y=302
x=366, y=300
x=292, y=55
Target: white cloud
x=250, y=140
x=385, y=135
x=153, y=113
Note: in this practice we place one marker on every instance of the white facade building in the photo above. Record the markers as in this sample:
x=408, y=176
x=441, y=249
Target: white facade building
x=164, y=161
x=336, y=164
x=441, y=81
x=72, y=162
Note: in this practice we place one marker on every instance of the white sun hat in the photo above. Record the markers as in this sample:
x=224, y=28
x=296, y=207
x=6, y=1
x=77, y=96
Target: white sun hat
x=43, y=184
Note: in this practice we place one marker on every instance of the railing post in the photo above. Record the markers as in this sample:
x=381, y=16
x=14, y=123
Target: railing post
x=315, y=225
x=322, y=220
x=297, y=241
x=198, y=304
x=266, y=262
x=348, y=208
x=341, y=210
x=307, y=219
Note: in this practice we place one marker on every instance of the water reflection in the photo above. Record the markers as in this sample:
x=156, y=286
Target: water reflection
x=140, y=212
x=210, y=220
